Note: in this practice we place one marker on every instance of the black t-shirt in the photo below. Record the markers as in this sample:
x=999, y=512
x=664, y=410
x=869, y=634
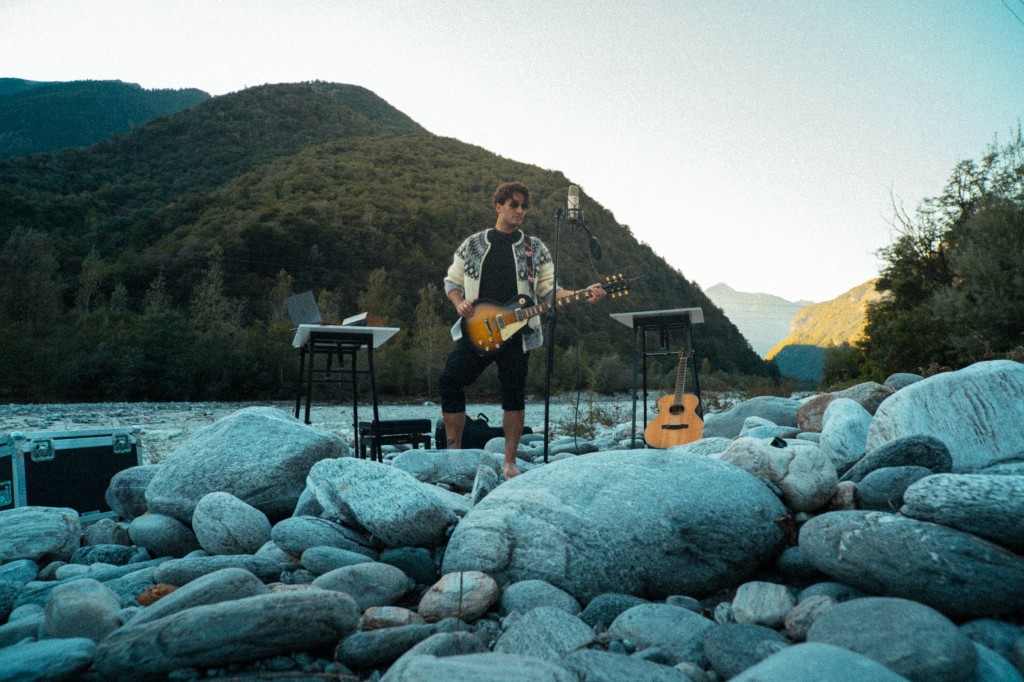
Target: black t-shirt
x=498, y=272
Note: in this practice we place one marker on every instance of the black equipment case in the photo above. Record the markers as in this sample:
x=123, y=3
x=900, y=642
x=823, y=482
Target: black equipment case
x=65, y=468
x=475, y=434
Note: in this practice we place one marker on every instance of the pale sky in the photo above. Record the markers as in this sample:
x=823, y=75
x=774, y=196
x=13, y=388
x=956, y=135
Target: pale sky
x=759, y=143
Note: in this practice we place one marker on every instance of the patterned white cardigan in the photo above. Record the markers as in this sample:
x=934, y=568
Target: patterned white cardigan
x=464, y=275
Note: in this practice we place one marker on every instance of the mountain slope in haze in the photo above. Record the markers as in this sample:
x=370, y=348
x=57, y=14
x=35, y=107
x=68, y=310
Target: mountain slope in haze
x=763, y=319
x=43, y=117
x=819, y=326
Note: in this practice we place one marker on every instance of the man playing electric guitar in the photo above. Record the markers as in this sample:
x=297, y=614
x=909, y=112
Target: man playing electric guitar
x=498, y=265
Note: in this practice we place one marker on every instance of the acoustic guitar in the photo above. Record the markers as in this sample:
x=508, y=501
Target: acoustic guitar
x=492, y=324
x=677, y=421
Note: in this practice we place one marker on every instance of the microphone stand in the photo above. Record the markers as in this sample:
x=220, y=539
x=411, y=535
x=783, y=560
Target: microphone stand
x=553, y=315
x=550, y=341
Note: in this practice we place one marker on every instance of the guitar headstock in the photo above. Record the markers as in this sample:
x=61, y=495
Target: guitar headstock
x=616, y=285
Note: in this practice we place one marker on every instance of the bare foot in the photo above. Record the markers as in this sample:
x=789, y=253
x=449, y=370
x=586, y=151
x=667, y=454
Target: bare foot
x=511, y=471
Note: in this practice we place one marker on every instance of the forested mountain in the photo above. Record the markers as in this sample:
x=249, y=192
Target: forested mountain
x=43, y=117
x=821, y=326
x=831, y=323
x=154, y=265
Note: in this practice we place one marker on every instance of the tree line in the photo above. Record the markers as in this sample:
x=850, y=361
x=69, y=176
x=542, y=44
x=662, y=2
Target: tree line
x=952, y=283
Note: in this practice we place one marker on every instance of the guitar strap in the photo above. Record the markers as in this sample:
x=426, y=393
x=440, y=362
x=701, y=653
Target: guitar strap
x=529, y=261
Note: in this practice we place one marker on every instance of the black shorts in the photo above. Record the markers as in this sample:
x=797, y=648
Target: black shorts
x=464, y=366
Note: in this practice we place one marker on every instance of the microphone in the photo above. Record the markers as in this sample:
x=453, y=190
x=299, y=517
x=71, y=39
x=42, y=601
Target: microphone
x=574, y=204
x=576, y=218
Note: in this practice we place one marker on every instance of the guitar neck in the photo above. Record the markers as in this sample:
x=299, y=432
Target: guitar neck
x=541, y=308
x=681, y=377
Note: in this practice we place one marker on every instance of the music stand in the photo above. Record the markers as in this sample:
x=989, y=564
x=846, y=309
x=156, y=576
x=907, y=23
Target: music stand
x=664, y=322
x=328, y=340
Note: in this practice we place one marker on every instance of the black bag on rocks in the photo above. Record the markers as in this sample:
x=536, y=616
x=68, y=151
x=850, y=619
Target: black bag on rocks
x=475, y=434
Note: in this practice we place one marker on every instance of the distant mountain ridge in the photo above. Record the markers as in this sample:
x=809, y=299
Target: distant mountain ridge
x=831, y=323
x=43, y=117
x=796, y=334
x=763, y=319
x=820, y=326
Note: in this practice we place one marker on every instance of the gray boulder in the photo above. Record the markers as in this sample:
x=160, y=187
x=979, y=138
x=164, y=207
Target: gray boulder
x=416, y=562
x=802, y=471
x=115, y=555
x=814, y=662
x=729, y=423
x=320, y=560
x=42, y=534
x=216, y=635
x=997, y=635
x=163, y=535
x=978, y=412
x=126, y=493
x=299, y=533
x=684, y=524
x=917, y=450
x=82, y=608
x=955, y=572
x=224, y=524
x=993, y=667
x=106, y=532
x=868, y=395
x=369, y=584
x=605, y=608
x=734, y=647
x=49, y=659
x=762, y=603
x=486, y=667
x=387, y=502
x=18, y=571
x=240, y=454
x=376, y=648
x=595, y=665
x=455, y=469
x=902, y=380
x=677, y=632
x=223, y=585
x=530, y=594
x=991, y=507
x=883, y=489
x=907, y=637
x=187, y=569
x=546, y=632
x=458, y=643
x=844, y=432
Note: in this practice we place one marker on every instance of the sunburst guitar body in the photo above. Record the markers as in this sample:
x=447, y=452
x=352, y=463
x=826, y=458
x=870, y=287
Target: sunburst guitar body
x=493, y=324
x=677, y=421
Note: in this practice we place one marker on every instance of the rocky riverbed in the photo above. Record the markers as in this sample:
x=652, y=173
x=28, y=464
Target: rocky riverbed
x=873, y=534
x=164, y=426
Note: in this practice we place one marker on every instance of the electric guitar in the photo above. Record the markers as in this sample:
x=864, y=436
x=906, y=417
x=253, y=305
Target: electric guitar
x=492, y=324
x=677, y=422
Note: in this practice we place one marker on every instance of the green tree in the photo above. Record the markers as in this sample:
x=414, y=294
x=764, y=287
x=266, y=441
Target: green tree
x=430, y=338
x=380, y=298
x=88, y=295
x=952, y=281
x=31, y=286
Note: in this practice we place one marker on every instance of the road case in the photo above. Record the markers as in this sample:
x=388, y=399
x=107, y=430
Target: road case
x=64, y=468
